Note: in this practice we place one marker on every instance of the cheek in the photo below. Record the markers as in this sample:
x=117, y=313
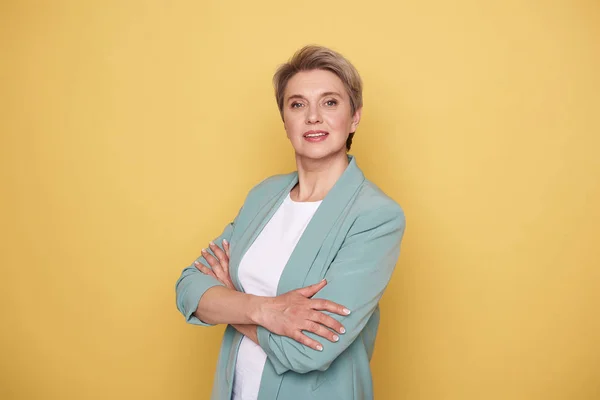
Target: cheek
x=292, y=124
x=289, y=128
x=340, y=122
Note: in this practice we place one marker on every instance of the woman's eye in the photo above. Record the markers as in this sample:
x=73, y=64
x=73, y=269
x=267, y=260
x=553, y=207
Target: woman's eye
x=331, y=103
x=296, y=105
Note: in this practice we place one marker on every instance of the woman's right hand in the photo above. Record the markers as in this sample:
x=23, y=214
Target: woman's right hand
x=293, y=312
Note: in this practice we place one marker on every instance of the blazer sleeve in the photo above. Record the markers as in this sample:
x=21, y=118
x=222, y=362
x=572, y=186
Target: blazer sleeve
x=356, y=279
x=192, y=284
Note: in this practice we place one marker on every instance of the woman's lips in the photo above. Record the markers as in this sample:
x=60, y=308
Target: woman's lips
x=315, y=136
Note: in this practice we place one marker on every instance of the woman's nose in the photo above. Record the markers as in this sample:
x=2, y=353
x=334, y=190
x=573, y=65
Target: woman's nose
x=313, y=116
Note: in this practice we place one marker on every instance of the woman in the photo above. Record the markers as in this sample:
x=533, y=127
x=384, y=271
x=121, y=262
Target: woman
x=299, y=272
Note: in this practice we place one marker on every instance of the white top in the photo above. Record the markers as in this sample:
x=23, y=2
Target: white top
x=259, y=273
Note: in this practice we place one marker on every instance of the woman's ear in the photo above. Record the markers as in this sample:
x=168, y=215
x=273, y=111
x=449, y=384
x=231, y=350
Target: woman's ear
x=356, y=119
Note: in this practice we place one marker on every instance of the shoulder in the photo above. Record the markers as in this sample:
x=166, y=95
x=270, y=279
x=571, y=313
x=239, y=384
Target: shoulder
x=371, y=200
x=272, y=185
x=267, y=189
x=374, y=211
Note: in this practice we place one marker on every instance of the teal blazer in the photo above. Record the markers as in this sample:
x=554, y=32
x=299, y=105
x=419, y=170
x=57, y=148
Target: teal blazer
x=353, y=241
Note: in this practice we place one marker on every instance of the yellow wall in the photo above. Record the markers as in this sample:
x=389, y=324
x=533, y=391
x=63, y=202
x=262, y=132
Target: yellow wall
x=132, y=130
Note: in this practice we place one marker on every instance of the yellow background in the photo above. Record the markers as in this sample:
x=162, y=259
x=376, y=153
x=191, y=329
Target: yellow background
x=132, y=130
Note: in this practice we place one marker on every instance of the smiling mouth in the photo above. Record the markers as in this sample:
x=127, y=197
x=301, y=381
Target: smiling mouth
x=315, y=134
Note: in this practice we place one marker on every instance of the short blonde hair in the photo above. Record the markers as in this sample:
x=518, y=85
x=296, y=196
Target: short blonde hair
x=318, y=57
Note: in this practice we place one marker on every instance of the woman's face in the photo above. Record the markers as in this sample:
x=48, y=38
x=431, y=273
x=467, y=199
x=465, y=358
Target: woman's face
x=317, y=114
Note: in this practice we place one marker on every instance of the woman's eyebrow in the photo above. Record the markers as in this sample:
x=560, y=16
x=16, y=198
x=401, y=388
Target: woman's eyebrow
x=296, y=96
x=325, y=94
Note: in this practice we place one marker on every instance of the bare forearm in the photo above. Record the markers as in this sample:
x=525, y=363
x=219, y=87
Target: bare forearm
x=220, y=305
x=248, y=330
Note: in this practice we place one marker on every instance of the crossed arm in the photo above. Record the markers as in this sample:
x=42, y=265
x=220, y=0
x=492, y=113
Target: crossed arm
x=289, y=327
x=287, y=315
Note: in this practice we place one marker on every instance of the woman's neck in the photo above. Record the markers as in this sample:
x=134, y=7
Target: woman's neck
x=317, y=177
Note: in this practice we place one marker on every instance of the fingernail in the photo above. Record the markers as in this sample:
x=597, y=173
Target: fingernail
x=336, y=338
x=343, y=330
x=320, y=348
x=346, y=311
x=196, y=263
x=203, y=251
x=211, y=243
x=225, y=242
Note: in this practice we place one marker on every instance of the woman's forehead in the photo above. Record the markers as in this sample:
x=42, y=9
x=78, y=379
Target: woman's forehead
x=314, y=82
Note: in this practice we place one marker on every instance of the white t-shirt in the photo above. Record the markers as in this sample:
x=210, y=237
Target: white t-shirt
x=259, y=273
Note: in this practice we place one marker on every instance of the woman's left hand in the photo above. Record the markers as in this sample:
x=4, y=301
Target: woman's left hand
x=220, y=271
x=219, y=265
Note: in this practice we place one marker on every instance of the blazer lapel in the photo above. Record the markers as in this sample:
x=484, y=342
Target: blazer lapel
x=311, y=241
x=301, y=259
